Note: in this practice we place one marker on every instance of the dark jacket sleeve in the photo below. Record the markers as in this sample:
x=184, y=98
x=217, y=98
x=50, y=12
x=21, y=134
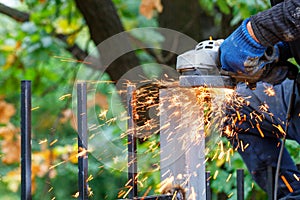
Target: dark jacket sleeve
x=279, y=23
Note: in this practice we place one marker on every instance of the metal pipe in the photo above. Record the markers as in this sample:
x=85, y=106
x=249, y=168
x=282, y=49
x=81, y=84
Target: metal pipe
x=240, y=184
x=26, y=140
x=132, y=143
x=82, y=141
x=208, y=189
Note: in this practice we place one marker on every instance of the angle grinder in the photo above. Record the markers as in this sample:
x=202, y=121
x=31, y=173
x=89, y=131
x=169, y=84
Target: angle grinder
x=201, y=66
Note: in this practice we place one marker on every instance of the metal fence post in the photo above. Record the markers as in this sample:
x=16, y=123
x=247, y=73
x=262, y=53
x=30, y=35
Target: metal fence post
x=240, y=184
x=182, y=141
x=208, y=189
x=132, y=145
x=82, y=141
x=26, y=140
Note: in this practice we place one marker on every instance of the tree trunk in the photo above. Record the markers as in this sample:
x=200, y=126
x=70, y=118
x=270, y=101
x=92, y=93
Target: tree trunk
x=103, y=22
x=187, y=18
x=190, y=19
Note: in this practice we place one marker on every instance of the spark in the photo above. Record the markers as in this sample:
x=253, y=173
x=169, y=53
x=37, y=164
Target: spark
x=53, y=142
x=147, y=191
x=270, y=91
x=230, y=194
x=90, y=178
x=228, y=131
x=43, y=141
x=140, y=183
x=229, y=176
x=228, y=154
x=296, y=177
x=280, y=129
x=76, y=195
x=264, y=107
x=174, y=195
x=259, y=130
x=128, y=182
x=82, y=152
x=51, y=188
x=54, y=166
x=103, y=114
x=287, y=184
x=216, y=174
x=242, y=145
x=121, y=193
x=35, y=108
x=63, y=97
x=168, y=171
x=238, y=115
x=64, y=59
x=127, y=192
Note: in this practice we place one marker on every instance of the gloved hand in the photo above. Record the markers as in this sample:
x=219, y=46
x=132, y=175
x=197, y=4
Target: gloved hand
x=241, y=54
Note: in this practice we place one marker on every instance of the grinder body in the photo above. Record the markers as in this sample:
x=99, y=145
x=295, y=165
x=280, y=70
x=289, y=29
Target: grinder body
x=201, y=66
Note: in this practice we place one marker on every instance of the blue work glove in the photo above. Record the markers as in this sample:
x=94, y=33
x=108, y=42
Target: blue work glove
x=241, y=54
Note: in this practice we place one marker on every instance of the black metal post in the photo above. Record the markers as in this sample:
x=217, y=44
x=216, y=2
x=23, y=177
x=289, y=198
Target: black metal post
x=132, y=145
x=270, y=182
x=240, y=184
x=26, y=140
x=208, y=189
x=82, y=141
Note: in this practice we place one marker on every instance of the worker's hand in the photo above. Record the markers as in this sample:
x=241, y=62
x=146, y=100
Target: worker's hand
x=240, y=53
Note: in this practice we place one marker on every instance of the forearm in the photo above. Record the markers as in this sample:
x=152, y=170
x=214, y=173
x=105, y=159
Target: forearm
x=279, y=23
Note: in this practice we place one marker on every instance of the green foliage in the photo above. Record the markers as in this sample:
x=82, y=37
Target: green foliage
x=240, y=9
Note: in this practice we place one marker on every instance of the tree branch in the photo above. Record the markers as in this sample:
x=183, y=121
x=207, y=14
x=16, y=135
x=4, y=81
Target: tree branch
x=13, y=13
x=75, y=50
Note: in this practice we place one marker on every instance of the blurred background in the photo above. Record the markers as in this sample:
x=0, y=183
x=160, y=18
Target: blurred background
x=47, y=41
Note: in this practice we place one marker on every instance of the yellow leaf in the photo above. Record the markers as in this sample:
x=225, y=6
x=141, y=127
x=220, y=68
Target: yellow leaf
x=13, y=179
x=10, y=60
x=63, y=26
x=71, y=39
x=7, y=48
x=147, y=7
x=11, y=150
x=9, y=131
x=7, y=110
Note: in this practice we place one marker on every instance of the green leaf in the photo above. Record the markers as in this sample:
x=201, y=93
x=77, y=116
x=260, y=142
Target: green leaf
x=223, y=6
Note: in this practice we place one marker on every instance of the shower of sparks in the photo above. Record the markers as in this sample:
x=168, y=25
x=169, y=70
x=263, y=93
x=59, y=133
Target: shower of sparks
x=197, y=112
